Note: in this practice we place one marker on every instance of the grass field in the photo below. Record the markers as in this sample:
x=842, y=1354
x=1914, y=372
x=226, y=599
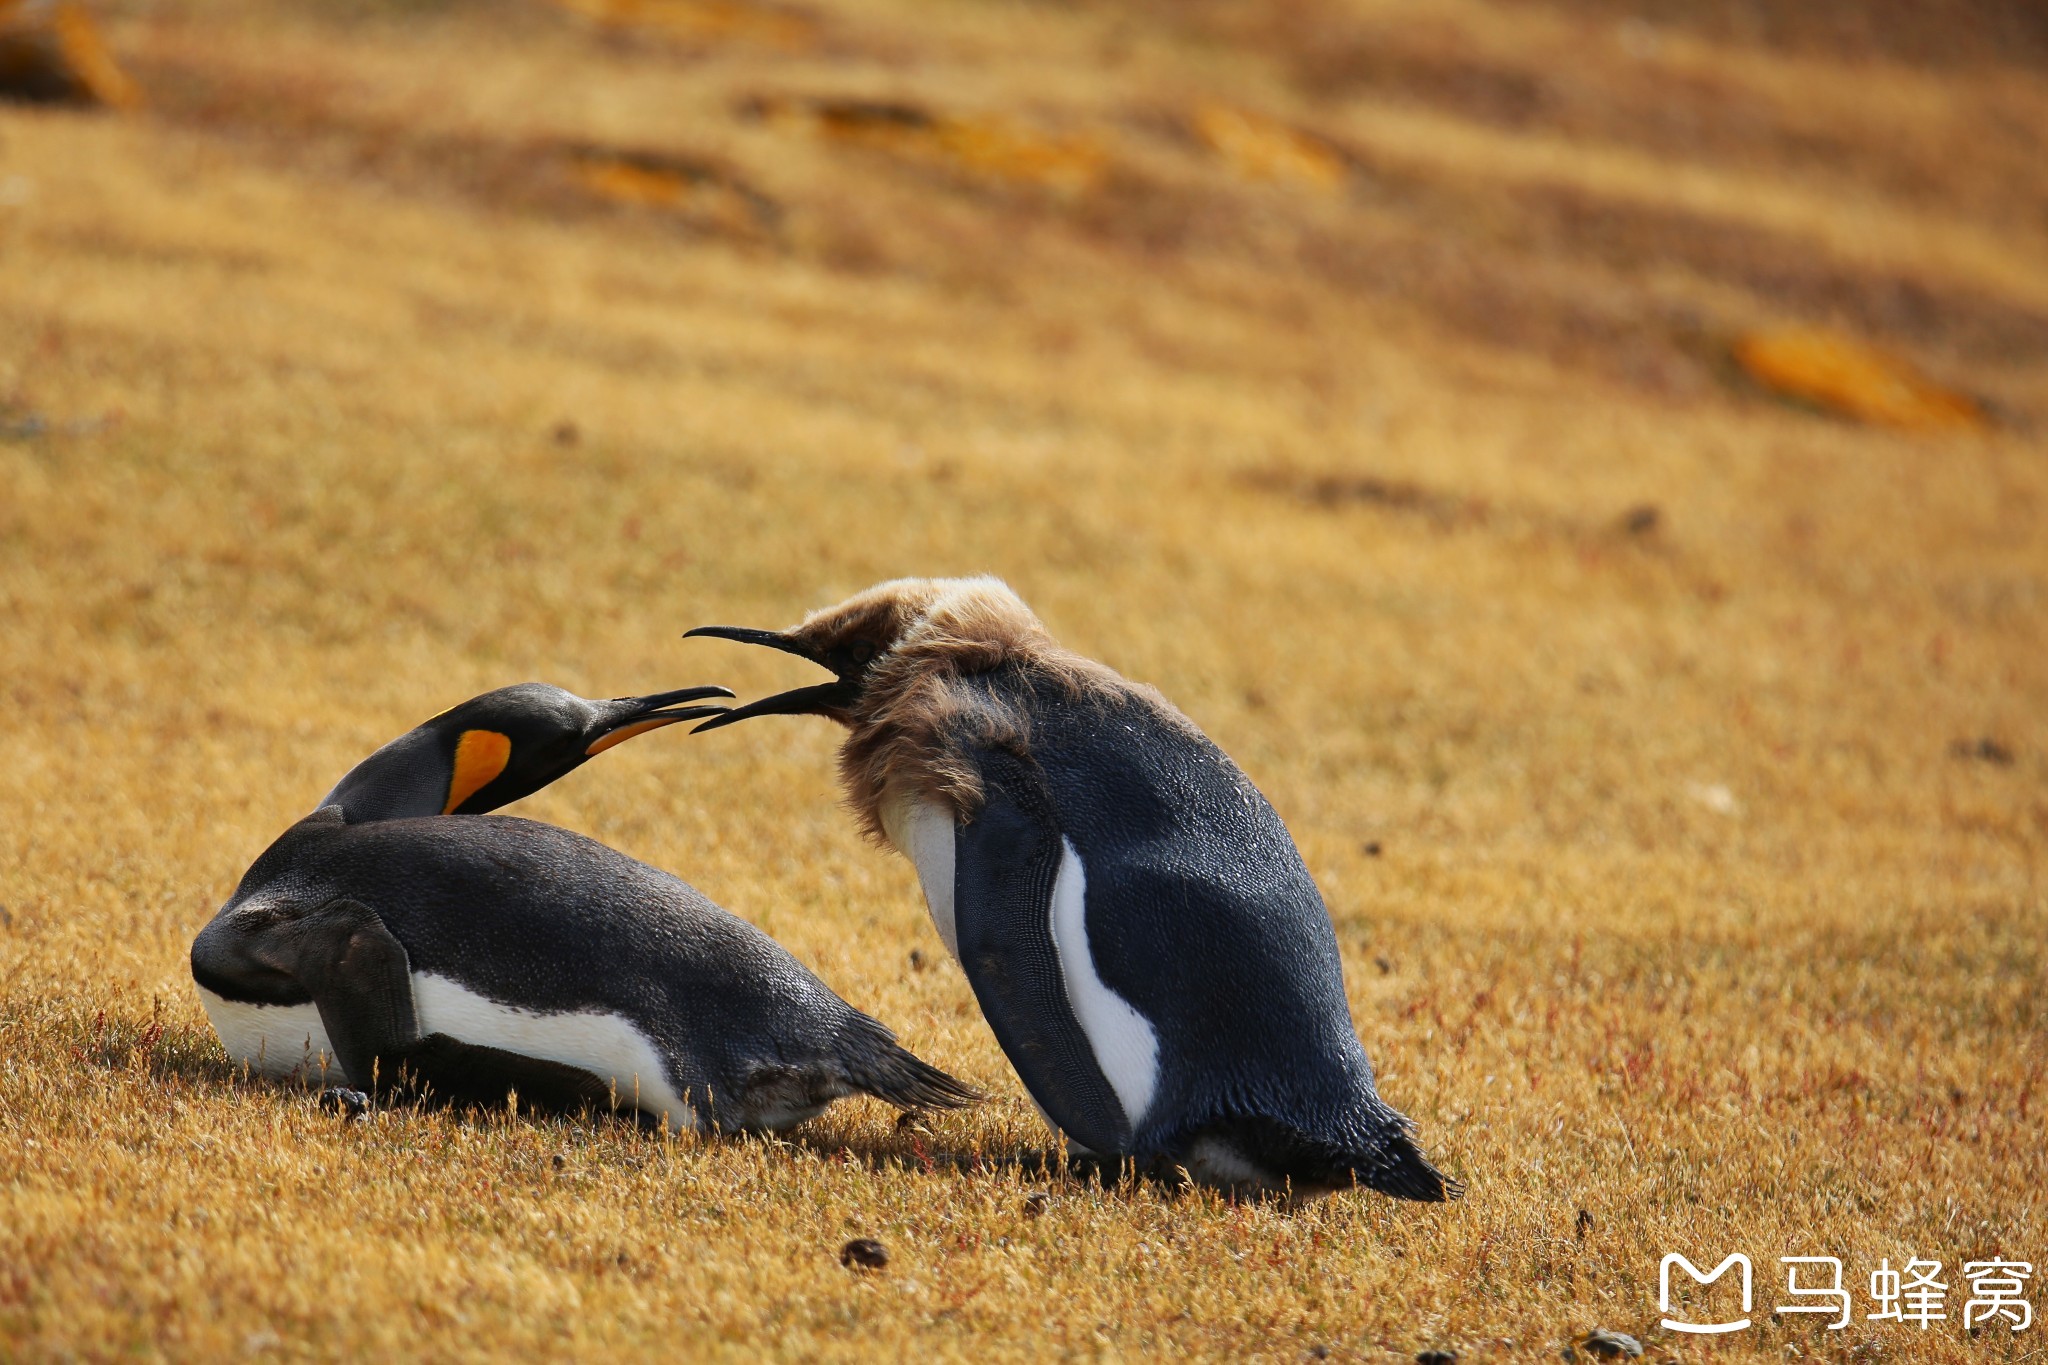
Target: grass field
x=1673, y=755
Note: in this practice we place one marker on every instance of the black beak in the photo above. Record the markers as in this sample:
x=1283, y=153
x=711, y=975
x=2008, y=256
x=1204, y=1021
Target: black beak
x=746, y=635
x=624, y=717
x=645, y=708
x=803, y=701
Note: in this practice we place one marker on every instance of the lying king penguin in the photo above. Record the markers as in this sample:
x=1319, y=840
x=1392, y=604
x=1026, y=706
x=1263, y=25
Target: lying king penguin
x=420, y=946
x=1134, y=919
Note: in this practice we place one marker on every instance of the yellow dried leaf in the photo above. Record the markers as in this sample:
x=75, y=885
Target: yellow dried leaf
x=701, y=20
x=651, y=181
x=1850, y=378
x=622, y=182
x=989, y=148
x=994, y=148
x=1261, y=148
x=50, y=50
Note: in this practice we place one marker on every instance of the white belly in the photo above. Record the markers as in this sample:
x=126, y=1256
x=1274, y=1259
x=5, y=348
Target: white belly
x=288, y=1042
x=284, y=1042
x=1126, y=1045
x=923, y=831
x=608, y=1046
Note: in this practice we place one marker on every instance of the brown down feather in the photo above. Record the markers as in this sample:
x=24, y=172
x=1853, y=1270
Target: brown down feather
x=917, y=715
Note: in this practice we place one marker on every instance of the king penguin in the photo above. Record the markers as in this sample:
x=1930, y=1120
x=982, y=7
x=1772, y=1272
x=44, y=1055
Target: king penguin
x=1135, y=921
x=428, y=949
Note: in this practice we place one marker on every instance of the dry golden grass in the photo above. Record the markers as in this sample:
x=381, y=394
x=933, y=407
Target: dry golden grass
x=1674, y=761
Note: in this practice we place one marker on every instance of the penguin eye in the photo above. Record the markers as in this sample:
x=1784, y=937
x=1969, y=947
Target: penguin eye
x=845, y=659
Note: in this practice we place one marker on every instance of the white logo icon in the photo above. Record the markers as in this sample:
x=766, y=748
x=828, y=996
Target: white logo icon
x=1664, y=1292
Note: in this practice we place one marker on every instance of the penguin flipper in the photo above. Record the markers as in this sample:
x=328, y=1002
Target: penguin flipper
x=360, y=978
x=1006, y=861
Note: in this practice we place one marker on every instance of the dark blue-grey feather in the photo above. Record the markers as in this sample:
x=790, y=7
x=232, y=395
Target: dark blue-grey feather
x=1006, y=862
x=543, y=919
x=1201, y=914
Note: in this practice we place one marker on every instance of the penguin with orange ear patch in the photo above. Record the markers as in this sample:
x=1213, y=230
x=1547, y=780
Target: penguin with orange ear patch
x=406, y=941
x=1135, y=921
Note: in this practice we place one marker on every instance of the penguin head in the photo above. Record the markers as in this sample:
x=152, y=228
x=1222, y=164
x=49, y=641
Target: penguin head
x=891, y=634
x=495, y=748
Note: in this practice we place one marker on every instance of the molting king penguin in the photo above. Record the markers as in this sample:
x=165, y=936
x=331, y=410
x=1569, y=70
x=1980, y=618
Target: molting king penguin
x=429, y=948
x=1134, y=919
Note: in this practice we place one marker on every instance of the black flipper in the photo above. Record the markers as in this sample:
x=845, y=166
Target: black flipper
x=1005, y=862
x=360, y=979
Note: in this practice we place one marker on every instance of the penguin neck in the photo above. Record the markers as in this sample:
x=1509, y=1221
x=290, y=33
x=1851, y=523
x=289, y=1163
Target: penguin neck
x=888, y=766
x=922, y=830
x=408, y=777
x=925, y=709
x=896, y=813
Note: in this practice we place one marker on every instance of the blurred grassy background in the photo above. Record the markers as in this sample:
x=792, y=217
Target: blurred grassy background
x=1583, y=458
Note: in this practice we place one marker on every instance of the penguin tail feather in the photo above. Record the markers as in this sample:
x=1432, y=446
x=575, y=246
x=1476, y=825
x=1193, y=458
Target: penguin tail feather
x=1399, y=1168
x=876, y=1064
x=1387, y=1161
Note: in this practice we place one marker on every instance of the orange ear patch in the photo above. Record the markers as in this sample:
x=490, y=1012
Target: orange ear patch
x=480, y=755
x=626, y=732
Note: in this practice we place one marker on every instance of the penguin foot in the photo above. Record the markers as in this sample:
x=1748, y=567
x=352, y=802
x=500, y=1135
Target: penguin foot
x=440, y=1070
x=350, y=1104
x=1103, y=1171
x=1111, y=1171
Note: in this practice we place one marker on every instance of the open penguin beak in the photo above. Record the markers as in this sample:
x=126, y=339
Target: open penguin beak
x=819, y=699
x=622, y=718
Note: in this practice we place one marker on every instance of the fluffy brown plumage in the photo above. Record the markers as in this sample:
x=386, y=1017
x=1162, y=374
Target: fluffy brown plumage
x=916, y=644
